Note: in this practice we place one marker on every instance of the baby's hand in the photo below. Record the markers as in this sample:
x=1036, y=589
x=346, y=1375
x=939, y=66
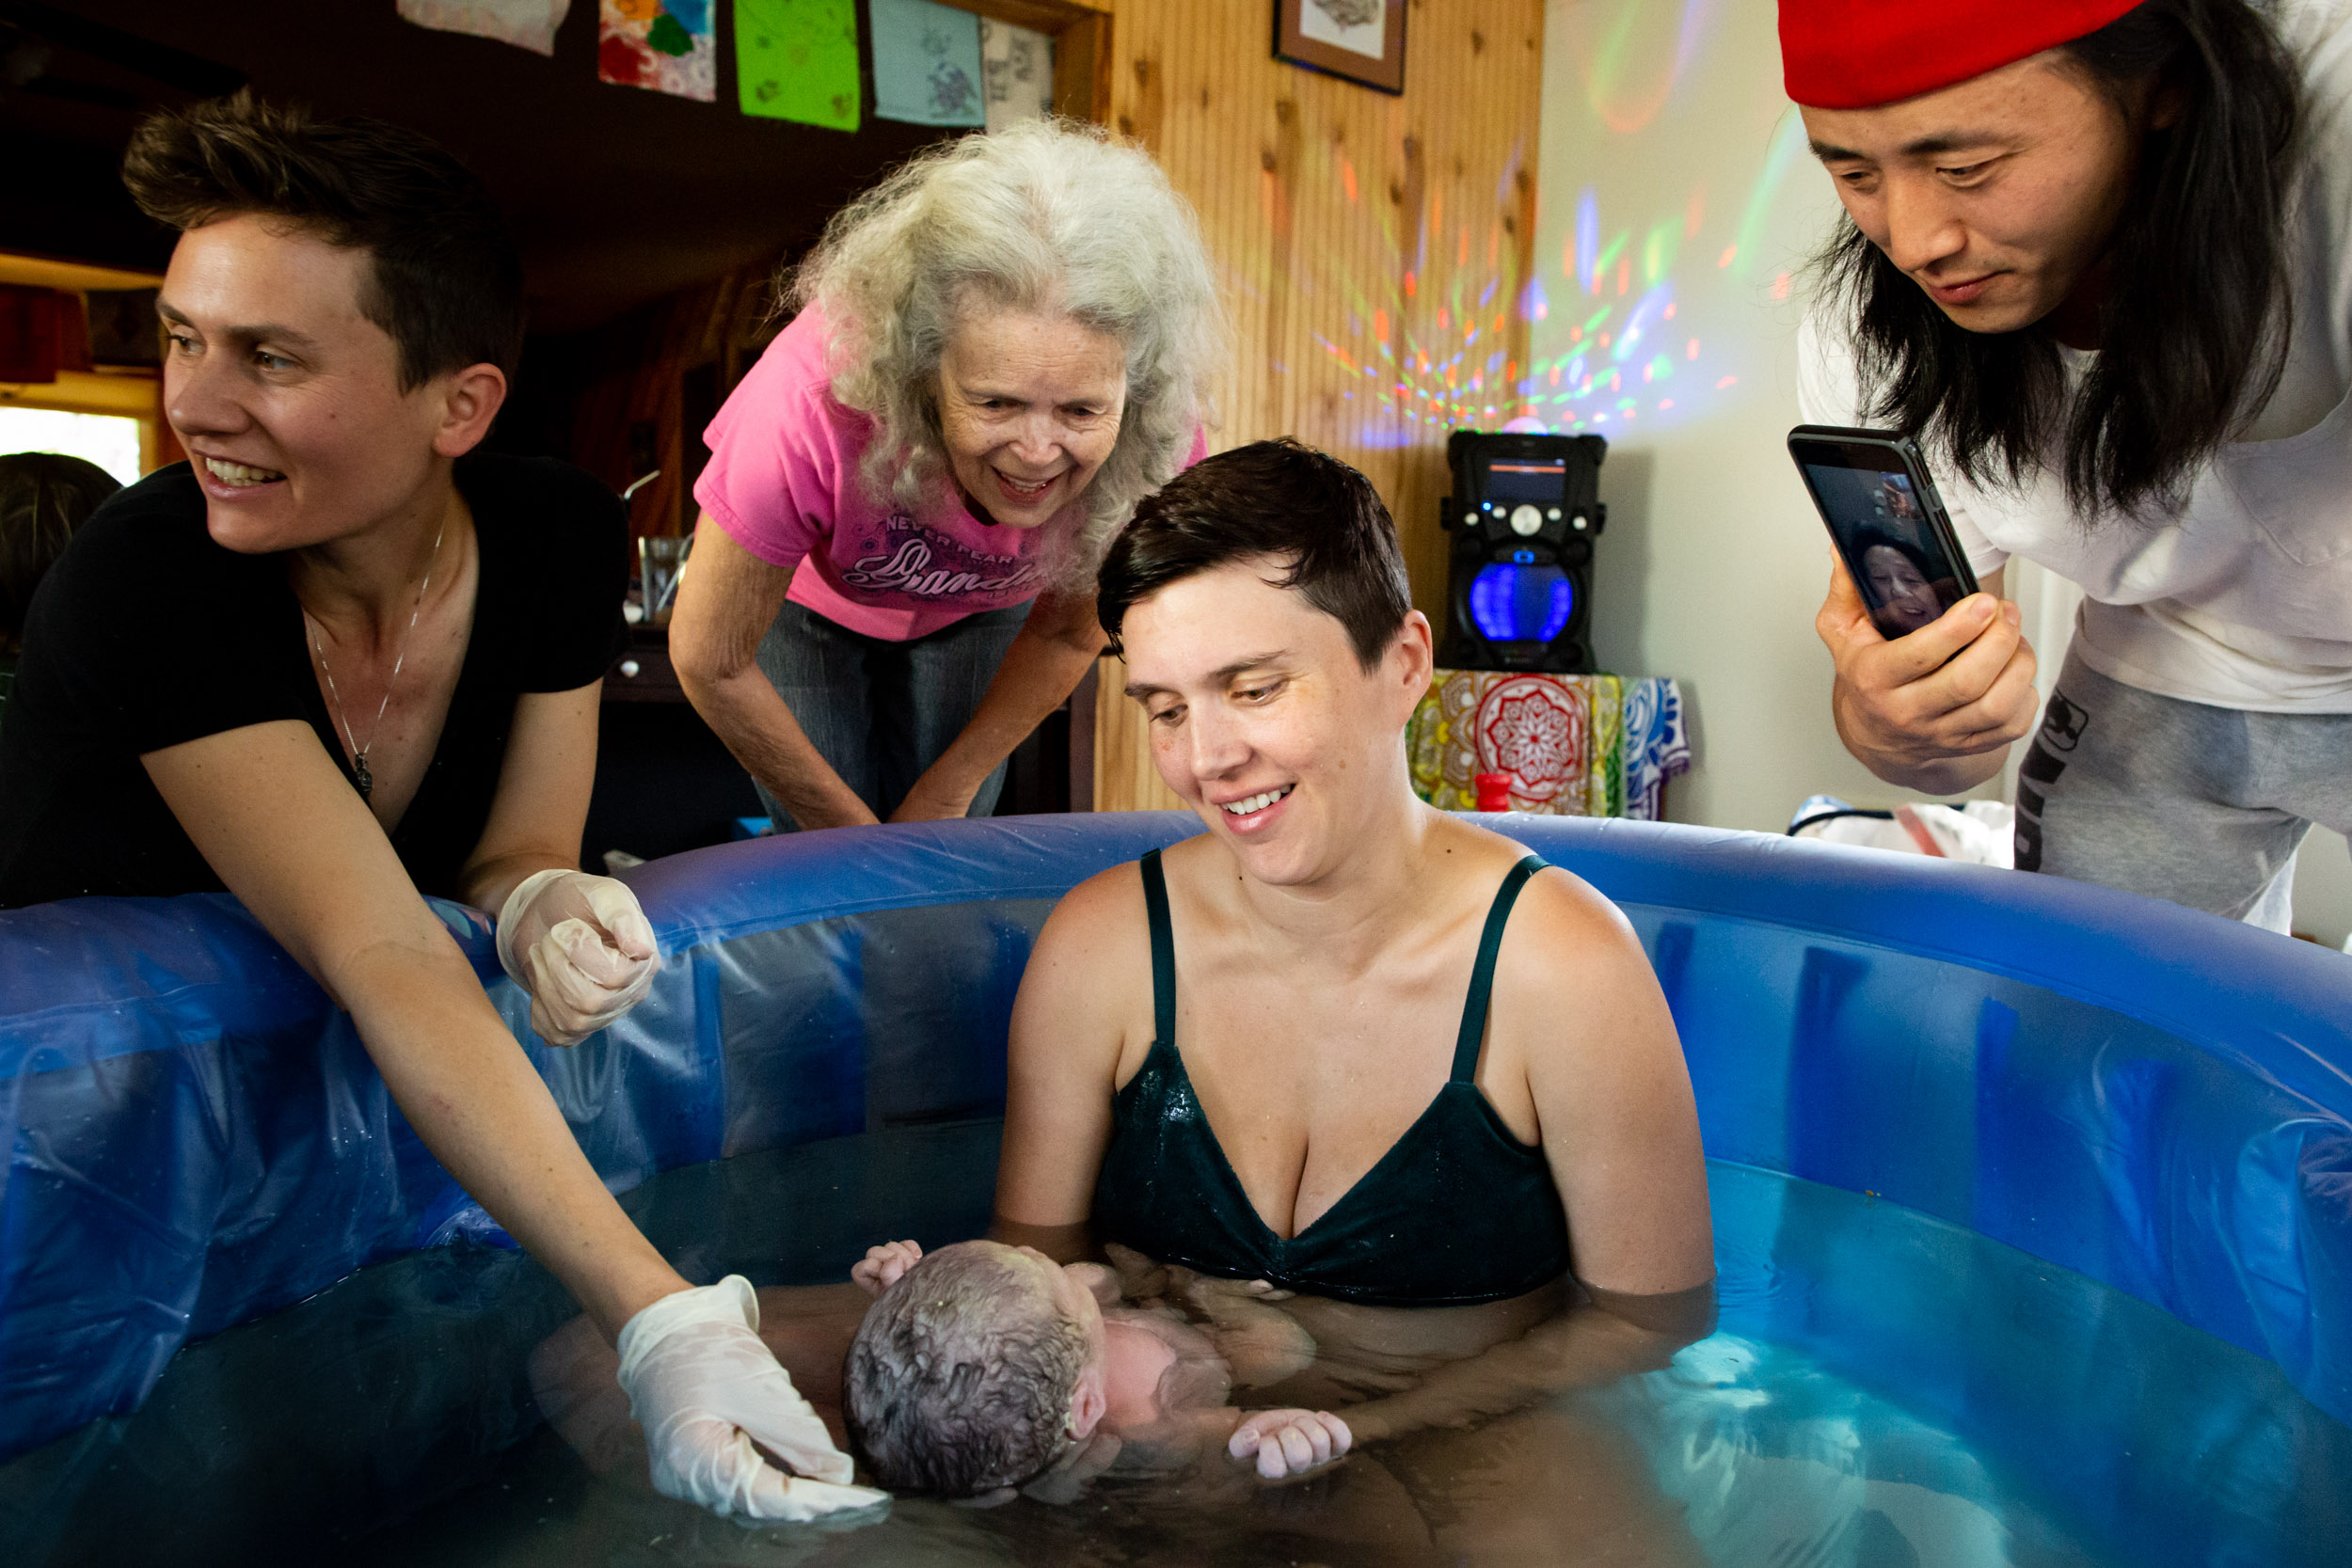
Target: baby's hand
x=1290, y=1442
x=883, y=1265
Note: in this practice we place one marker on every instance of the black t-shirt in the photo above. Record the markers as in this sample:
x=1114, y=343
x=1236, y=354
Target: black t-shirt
x=146, y=634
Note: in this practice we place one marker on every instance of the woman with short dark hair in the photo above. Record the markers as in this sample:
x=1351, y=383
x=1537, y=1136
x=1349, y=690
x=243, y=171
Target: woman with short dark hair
x=342, y=660
x=2098, y=263
x=1344, y=1042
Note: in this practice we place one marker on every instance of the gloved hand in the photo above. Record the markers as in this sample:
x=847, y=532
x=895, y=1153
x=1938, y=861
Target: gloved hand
x=580, y=946
x=705, y=1389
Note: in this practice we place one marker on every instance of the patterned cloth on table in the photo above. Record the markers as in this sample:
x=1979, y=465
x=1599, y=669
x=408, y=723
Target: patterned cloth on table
x=1574, y=745
x=1656, y=745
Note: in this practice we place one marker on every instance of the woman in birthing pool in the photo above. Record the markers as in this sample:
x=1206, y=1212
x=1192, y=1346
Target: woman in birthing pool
x=1344, y=1042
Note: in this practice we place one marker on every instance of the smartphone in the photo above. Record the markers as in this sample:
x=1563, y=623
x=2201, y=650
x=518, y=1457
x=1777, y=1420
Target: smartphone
x=1887, y=522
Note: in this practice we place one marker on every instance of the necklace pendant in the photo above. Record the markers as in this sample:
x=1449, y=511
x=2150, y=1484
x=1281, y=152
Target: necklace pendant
x=361, y=776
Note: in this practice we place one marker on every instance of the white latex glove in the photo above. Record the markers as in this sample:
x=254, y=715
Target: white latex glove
x=580, y=946
x=706, y=1389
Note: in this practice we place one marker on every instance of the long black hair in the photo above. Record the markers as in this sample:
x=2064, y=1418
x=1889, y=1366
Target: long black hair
x=2193, y=332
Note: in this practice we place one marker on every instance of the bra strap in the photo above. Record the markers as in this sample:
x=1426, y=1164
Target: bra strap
x=1483, y=977
x=1163, y=949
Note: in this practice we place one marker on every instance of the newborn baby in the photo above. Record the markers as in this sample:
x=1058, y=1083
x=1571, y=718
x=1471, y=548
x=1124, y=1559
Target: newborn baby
x=985, y=1367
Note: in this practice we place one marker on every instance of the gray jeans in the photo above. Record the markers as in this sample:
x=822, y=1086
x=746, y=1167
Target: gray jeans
x=880, y=712
x=2205, y=806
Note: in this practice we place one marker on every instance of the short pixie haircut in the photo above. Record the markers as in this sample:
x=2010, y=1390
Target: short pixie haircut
x=1050, y=217
x=960, y=1379
x=444, y=281
x=1318, y=519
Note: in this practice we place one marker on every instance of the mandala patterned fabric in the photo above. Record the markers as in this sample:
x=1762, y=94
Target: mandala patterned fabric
x=1574, y=745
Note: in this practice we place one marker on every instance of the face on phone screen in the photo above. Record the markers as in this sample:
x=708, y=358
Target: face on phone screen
x=1895, y=559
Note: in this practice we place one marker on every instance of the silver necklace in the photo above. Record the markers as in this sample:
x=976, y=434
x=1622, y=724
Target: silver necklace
x=360, y=774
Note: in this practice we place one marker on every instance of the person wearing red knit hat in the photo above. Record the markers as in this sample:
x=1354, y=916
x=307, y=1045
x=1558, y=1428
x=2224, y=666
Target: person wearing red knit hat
x=2098, y=261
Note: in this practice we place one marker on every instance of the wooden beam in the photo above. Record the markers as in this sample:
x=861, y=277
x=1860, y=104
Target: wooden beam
x=1082, y=70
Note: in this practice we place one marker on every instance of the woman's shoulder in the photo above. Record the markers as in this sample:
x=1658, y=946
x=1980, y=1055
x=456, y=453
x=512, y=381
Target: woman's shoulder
x=781, y=440
x=791, y=384
x=1098, y=932
x=1558, y=917
x=1089, y=975
x=1101, y=908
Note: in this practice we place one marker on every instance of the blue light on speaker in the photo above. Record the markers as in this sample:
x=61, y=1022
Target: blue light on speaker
x=1521, y=604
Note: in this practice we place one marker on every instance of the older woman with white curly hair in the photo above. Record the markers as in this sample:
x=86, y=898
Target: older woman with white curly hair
x=1000, y=350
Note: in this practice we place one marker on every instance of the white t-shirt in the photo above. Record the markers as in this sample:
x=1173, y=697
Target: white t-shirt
x=2243, y=598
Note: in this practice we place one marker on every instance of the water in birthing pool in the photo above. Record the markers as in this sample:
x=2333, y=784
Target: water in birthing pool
x=1885, y=1391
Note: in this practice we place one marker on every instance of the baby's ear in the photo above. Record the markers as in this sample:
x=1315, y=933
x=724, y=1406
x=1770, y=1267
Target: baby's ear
x=1087, y=1405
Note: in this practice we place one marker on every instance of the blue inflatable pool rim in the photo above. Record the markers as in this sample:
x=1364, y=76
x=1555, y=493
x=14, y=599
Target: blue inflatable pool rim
x=2151, y=1096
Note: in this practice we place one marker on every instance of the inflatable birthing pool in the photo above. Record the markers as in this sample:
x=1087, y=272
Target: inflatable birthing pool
x=2033, y=1209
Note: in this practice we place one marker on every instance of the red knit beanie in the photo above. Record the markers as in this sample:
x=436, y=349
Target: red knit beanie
x=1859, y=54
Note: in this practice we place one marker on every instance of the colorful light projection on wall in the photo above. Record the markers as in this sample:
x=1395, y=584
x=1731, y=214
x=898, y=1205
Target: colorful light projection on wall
x=1427, y=344
x=1663, y=299
x=1641, y=309
x=1627, y=347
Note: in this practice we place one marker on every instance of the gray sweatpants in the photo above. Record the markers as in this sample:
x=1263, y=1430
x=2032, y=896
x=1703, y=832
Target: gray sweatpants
x=880, y=712
x=2201, y=806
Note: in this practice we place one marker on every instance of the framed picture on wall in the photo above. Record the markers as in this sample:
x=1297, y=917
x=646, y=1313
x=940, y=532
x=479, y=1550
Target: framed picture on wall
x=1360, y=40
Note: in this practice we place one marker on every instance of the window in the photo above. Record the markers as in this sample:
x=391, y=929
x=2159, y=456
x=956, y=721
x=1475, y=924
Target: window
x=109, y=440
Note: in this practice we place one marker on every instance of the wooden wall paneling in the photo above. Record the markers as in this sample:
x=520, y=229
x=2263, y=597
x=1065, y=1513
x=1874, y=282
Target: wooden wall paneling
x=1377, y=251
x=1125, y=778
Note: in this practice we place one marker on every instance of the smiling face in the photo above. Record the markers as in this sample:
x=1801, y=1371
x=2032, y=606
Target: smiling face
x=1996, y=196
x=1897, y=584
x=1265, y=721
x=288, y=398
x=1029, y=406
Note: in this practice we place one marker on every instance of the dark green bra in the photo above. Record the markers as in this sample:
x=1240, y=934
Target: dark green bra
x=1457, y=1210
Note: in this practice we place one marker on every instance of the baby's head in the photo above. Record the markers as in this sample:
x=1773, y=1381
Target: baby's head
x=976, y=1372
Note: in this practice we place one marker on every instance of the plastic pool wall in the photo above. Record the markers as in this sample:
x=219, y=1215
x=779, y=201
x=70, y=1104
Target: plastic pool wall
x=2152, y=1098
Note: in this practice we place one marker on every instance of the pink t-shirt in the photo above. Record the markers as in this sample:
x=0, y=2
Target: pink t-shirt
x=783, y=480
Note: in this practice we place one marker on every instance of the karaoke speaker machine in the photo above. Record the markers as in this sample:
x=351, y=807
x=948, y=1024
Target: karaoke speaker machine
x=1525, y=512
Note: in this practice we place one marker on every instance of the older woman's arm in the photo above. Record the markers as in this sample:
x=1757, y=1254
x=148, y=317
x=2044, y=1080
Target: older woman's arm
x=1620, y=1130
x=1048, y=658
x=726, y=603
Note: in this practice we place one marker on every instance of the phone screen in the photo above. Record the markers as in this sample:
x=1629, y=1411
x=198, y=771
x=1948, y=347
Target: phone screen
x=1892, y=547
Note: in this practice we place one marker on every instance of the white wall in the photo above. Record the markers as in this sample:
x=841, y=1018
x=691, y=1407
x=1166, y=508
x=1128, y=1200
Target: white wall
x=1670, y=157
